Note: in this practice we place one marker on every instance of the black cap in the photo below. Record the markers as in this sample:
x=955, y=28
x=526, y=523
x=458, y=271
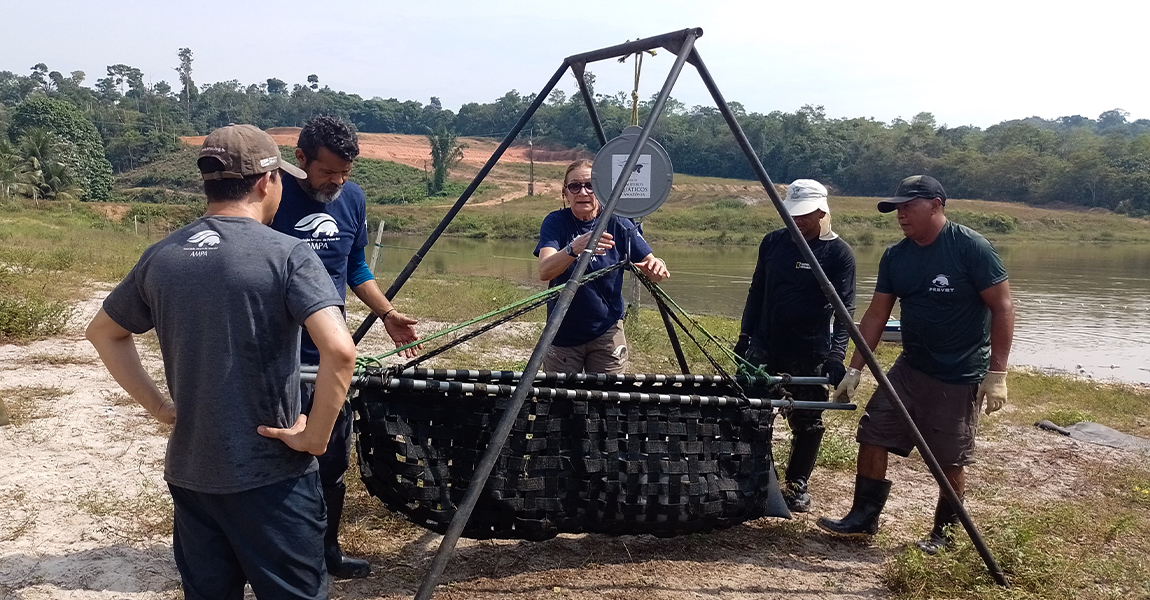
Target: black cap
x=915, y=186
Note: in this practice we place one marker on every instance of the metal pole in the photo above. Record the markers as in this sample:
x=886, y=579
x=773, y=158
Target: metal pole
x=664, y=312
x=431, y=239
x=844, y=317
x=507, y=419
x=578, y=69
x=591, y=378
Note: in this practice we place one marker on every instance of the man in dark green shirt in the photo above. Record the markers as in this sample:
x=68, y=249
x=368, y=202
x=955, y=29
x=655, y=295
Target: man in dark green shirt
x=957, y=327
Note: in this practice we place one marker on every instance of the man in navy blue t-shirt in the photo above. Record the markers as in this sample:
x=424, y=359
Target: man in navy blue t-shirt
x=591, y=337
x=330, y=212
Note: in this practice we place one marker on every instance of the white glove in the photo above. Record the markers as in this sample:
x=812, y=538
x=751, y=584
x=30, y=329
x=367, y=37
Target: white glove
x=993, y=390
x=845, y=392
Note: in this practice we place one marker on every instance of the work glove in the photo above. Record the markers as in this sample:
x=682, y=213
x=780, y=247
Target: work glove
x=993, y=390
x=834, y=370
x=845, y=391
x=742, y=345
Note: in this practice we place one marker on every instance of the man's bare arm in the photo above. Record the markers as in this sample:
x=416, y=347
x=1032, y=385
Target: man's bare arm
x=118, y=352
x=873, y=323
x=997, y=299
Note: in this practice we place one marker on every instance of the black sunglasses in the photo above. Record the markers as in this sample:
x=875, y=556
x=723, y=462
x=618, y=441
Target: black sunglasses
x=575, y=186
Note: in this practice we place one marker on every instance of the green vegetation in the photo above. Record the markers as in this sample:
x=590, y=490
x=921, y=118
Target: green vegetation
x=1102, y=162
x=83, y=152
x=445, y=154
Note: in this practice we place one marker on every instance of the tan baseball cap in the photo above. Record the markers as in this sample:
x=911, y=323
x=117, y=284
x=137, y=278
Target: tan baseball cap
x=243, y=150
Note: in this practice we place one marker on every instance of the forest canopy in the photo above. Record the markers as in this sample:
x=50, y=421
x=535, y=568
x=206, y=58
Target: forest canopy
x=1094, y=162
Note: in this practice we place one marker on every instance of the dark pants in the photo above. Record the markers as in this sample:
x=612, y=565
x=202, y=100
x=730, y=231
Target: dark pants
x=270, y=537
x=806, y=425
x=335, y=461
x=946, y=415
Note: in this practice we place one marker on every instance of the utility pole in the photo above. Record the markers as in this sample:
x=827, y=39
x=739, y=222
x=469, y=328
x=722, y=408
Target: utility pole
x=531, y=159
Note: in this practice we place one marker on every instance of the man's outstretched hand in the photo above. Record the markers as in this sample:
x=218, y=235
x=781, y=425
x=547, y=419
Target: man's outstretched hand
x=401, y=328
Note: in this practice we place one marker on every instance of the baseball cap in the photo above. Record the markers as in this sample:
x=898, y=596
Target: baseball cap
x=805, y=196
x=243, y=150
x=915, y=186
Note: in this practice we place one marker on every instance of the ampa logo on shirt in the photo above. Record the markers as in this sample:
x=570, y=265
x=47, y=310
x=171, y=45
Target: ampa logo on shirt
x=940, y=283
x=322, y=228
x=200, y=243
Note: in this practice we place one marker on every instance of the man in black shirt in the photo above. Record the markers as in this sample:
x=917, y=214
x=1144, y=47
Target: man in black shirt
x=786, y=322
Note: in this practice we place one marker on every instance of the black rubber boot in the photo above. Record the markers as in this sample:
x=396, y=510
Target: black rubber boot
x=338, y=565
x=804, y=453
x=862, y=520
x=942, y=534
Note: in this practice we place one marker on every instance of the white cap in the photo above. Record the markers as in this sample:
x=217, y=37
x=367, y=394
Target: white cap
x=805, y=196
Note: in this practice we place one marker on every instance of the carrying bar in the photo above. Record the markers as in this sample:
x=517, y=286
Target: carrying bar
x=402, y=384
x=599, y=378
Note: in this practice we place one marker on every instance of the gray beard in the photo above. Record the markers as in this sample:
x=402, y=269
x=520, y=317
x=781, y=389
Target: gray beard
x=321, y=196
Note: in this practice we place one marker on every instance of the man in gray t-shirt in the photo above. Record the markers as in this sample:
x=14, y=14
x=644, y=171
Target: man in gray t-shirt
x=227, y=296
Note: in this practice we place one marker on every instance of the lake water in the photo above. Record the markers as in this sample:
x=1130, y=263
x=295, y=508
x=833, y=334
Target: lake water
x=1082, y=309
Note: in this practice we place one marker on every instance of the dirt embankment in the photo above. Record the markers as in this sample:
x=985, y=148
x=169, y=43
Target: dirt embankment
x=411, y=150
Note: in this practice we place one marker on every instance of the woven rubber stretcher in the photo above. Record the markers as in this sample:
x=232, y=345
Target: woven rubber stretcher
x=571, y=465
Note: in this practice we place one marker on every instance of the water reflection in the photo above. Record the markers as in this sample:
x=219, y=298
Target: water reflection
x=1081, y=308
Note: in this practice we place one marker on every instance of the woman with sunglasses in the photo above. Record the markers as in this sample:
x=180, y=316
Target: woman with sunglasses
x=591, y=337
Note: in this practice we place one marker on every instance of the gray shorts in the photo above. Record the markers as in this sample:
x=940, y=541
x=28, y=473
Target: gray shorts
x=945, y=413
x=604, y=354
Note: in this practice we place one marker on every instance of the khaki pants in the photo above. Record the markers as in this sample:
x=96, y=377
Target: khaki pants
x=604, y=354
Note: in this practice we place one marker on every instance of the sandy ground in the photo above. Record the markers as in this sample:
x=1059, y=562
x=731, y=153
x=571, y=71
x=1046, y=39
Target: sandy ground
x=82, y=503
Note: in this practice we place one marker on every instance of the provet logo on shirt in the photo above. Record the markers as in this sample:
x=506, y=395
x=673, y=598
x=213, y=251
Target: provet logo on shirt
x=200, y=243
x=802, y=265
x=940, y=283
x=321, y=227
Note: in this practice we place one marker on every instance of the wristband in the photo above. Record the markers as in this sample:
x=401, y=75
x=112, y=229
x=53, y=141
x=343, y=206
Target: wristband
x=384, y=316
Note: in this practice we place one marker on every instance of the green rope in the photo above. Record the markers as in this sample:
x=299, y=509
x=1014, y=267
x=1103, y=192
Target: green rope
x=364, y=362
x=741, y=363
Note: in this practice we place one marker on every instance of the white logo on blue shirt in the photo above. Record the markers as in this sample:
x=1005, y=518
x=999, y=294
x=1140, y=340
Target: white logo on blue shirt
x=321, y=225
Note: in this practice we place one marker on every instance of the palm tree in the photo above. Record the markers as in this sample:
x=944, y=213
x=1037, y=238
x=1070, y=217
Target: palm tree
x=14, y=175
x=59, y=183
x=39, y=146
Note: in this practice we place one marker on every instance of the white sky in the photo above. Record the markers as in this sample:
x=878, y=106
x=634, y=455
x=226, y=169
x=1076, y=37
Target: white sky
x=971, y=62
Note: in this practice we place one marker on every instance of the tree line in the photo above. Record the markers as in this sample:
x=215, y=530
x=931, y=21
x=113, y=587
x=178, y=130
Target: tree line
x=1094, y=162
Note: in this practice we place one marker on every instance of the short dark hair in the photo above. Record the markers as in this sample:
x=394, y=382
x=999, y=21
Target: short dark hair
x=337, y=135
x=228, y=190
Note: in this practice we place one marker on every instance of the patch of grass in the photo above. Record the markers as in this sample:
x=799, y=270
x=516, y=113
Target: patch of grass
x=1036, y=396
x=24, y=318
x=1065, y=417
x=57, y=360
x=1063, y=550
x=138, y=518
x=839, y=450
x=30, y=402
